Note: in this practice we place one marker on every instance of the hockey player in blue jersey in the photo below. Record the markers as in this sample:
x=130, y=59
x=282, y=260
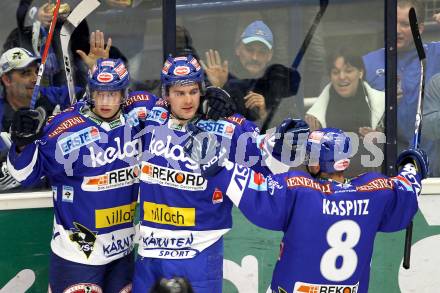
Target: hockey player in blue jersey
x=183, y=215
x=88, y=155
x=329, y=221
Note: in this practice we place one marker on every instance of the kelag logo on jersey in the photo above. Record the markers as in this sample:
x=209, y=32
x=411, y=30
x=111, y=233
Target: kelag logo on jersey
x=158, y=114
x=78, y=139
x=222, y=128
x=112, y=179
x=172, y=178
x=301, y=287
x=129, y=149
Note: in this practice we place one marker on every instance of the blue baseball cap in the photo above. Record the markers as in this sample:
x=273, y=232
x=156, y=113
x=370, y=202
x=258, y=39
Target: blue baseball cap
x=258, y=31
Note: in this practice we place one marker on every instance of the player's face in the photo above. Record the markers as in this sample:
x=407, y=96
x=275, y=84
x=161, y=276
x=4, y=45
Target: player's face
x=20, y=84
x=107, y=103
x=404, y=35
x=345, y=78
x=184, y=100
x=254, y=57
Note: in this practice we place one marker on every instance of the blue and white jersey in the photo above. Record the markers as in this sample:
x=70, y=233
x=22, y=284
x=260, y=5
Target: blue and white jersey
x=329, y=227
x=93, y=168
x=181, y=212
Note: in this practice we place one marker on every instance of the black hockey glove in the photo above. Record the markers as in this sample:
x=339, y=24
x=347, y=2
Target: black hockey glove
x=289, y=134
x=27, y=125
x=203, y=148
x=417, y=157
x=217, y=103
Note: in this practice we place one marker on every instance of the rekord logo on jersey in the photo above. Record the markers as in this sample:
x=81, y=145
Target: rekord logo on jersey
x=170, y=247
x=301, y=287
x=222, y=128
x=119, y=246
x=158, y=114
x=172, y=153
x=257, y=182
x=129, y=149
x=78, y=139
x=83, y=288
x=172, y=178
x=84, y=238
x=110, y=180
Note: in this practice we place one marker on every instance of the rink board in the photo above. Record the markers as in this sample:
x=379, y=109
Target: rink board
x=250, y=253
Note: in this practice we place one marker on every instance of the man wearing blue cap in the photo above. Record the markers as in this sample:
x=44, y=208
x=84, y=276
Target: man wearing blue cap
x=254, y=52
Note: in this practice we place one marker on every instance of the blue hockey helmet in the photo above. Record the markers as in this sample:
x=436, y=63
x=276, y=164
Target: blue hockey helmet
x=109, y=75
x=330, y=148
x=181, y=70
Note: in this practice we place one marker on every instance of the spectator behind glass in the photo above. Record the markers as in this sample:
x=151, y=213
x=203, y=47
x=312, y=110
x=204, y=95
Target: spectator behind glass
x=348, y=102
x=253, y=92
x=408, y=71
x=18, y=74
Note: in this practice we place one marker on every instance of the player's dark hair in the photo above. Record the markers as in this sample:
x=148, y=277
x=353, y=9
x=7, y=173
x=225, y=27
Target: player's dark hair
x=419, y=6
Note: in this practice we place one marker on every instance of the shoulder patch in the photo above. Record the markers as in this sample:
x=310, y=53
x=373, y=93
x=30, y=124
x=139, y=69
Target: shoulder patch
x=138, y=97
x=220, y=127
x=66, y=124
x=158, y=114
x=235, y=119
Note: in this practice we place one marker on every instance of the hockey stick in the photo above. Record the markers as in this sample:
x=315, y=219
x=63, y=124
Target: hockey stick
x=81, y=11
x=295, y=81
x=45, y=52
x=299, y=56
x=418, y=124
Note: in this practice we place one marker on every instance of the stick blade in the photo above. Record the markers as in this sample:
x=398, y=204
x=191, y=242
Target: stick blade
x=416, y=33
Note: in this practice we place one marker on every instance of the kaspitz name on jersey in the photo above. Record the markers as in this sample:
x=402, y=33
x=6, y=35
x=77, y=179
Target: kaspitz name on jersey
x=129, y=149
x=356, y=207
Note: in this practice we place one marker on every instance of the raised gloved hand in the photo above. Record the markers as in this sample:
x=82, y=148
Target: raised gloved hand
x=217, y=103
x=27, y=125
x=203, y=148
x=287, y=134
x=417, y=157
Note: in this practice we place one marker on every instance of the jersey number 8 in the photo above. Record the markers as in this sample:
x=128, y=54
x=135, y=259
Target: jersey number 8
x=342, y=236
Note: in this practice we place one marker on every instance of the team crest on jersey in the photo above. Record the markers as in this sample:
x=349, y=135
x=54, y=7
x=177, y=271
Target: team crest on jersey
x=84, y=238
x=158, y=114
x=83, y=288
x=222, y=128
x=301, y=287
x=112, y=179
x=79, y=139
x=172, y=178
